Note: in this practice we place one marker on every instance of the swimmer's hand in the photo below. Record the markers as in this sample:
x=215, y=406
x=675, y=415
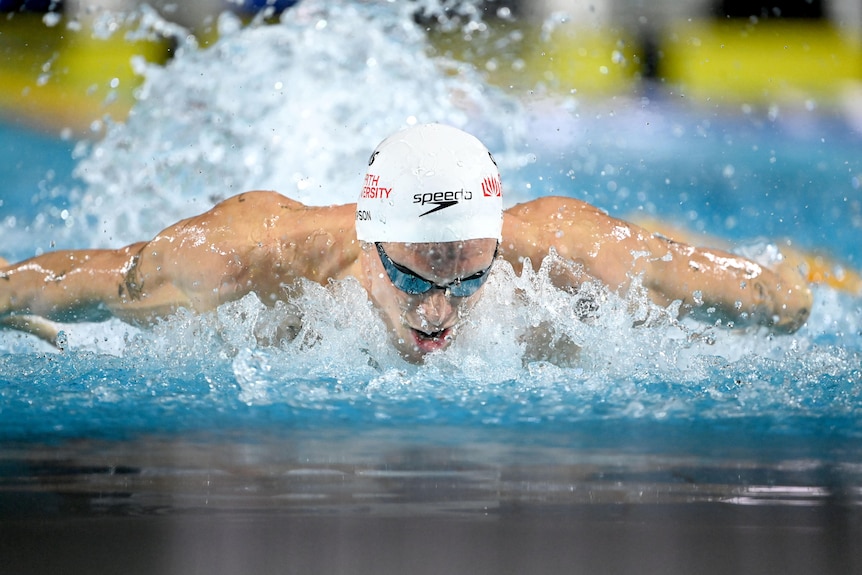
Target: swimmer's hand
x=34, y=325
x=791, y=297
x=39, y=326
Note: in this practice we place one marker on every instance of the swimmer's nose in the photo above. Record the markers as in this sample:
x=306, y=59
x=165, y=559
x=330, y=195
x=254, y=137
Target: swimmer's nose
x=437, y=309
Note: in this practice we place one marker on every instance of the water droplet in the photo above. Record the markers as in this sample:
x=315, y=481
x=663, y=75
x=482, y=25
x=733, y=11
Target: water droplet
x=51, y=19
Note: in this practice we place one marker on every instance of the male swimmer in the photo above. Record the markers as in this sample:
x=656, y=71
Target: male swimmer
x=421, y=240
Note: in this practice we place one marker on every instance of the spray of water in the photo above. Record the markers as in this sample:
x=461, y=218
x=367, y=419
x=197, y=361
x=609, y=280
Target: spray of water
x=295, y=107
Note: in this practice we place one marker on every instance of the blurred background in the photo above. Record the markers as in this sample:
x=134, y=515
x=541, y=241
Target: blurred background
x=67, y=63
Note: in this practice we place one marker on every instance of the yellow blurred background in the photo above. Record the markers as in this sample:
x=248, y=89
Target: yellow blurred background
x=59, y=70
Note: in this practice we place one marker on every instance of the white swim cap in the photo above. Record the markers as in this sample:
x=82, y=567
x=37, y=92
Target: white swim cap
x=430, y=183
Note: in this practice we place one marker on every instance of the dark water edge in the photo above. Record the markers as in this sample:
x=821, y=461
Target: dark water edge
x=604, y=538
x=373, y=503
x=432, y=500
x=283, y=466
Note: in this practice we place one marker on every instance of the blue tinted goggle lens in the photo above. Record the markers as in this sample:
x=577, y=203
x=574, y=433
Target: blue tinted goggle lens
x=409, y=282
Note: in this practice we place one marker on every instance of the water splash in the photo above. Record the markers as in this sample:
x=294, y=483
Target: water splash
x=295, y=107
x=600, y=362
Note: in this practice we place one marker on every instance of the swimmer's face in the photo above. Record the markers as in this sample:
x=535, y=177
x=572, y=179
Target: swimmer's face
x=426, y=322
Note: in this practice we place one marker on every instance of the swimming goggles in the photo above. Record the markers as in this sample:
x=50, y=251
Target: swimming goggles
x=410, y=282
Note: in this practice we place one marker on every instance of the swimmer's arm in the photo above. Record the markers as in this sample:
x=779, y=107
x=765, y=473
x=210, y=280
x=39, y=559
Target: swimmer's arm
x=137, y=284
x=708, y=282
x=191, y=264
x=257, y=241
x=68, y=285
x=717, y=284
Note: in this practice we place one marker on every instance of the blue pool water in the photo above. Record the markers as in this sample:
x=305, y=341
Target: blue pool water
x=198, y=416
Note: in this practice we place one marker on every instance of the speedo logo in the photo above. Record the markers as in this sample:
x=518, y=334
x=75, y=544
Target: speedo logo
x=441, y=200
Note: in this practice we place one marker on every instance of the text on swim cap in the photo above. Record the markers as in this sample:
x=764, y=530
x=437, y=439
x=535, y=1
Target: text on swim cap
x=372, y=190
x=442, y=199
x=363, y=215
x=437, y=197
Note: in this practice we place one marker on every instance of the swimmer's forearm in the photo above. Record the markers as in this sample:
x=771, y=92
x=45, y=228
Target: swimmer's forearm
x=77, y=285
x=742, y=292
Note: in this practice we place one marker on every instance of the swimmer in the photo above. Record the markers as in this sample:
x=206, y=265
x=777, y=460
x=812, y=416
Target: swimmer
x=422, y=240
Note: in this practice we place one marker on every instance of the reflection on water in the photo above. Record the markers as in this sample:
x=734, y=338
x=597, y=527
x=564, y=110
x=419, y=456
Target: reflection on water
x=383, y=473
x=374, y=503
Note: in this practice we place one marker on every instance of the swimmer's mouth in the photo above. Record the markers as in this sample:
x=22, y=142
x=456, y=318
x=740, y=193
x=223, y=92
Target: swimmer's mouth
x=428, y=342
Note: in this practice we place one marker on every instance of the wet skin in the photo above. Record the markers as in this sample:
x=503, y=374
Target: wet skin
x=264, y=242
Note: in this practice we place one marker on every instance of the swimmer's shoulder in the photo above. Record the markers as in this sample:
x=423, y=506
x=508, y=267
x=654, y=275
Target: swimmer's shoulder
x=275, y=203
x=546, y=206
x=268, y=200
x=268, y=213
x=566, y=224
